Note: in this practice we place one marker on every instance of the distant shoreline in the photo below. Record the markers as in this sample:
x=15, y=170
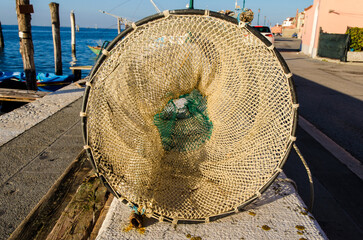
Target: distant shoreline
x=101, y=28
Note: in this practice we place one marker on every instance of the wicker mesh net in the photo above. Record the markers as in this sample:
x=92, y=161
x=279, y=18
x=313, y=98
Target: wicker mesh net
x=189, y=116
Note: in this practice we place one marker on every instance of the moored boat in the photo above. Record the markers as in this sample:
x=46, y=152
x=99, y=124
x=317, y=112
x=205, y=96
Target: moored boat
x=47, y=82
x=96, y=50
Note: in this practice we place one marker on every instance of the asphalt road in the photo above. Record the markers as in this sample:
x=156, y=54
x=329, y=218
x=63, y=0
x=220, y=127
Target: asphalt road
x=330, y=95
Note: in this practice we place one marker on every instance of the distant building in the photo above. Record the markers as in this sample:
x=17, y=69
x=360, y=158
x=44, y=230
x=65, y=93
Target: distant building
x=288, y=23
x=331, y=16
x=300, y=23
x=293, y=25
x=277, y=29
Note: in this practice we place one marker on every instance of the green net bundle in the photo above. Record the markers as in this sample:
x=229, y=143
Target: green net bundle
x=184, y=124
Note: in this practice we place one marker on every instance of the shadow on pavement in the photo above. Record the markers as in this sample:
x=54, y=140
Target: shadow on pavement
x=288, y=44
x=288, y=50
x=338, y=191
x=281, y=39
x=338, y=115
x=338, y=195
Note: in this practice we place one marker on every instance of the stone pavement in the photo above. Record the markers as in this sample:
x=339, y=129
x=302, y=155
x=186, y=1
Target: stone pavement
x=38, y=142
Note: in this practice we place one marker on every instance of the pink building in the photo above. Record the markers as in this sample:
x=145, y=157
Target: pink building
x=332, y=16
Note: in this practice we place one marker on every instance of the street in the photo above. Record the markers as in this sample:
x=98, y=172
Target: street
x=330, y=95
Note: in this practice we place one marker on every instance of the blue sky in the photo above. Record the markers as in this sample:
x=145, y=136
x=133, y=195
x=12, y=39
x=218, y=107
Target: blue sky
x=87, y=14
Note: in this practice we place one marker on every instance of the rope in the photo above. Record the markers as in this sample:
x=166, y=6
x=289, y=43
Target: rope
x=103, y=47
x=310, y=208
x=137, y=210
x=289, y=180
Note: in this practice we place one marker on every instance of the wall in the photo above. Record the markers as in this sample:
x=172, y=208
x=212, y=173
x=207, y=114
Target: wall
x=300, y=23
x=276, y=29
x=287, y=32
x=308, y=27
x=336, y=15
x=333, y=16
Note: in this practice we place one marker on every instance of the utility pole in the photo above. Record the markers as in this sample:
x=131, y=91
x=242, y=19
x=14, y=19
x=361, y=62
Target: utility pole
x=23, y=11
x=264, y=21
x=191, y=4
x=54, y=14
x=258, y=18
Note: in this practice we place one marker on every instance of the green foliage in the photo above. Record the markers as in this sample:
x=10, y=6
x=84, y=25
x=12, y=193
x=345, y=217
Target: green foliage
x=356, y=38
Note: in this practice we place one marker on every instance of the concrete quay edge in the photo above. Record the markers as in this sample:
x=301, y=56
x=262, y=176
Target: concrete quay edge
x=16, y=122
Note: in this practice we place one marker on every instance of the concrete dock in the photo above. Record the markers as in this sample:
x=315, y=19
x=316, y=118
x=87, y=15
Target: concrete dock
x=278, y=214
x=37, y=143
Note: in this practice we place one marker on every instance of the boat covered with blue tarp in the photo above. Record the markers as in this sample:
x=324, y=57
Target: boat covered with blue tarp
x=47, y=82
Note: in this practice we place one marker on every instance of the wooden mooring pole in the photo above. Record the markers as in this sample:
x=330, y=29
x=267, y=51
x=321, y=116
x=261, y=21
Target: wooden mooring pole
x=73, y=35
x=54, y=14
x=118, y=25
x=1, y=39
x=23, y=11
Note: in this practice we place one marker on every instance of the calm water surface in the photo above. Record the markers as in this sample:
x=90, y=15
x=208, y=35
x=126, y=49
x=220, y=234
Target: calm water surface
x=10, y=58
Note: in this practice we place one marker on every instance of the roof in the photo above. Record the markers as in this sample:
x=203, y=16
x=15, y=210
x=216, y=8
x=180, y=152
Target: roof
x=308, y=8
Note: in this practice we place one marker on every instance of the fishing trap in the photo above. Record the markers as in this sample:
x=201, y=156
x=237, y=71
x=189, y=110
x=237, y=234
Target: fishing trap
x=189, y=115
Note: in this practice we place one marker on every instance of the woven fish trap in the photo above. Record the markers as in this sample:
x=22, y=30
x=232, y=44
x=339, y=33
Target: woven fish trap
x=189, y=115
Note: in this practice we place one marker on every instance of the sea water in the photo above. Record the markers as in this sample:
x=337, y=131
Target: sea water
x=11, y=60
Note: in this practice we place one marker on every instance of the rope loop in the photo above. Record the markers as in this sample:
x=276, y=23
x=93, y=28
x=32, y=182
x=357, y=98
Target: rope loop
x=271, y=47
x=289, y=75
x=105, y=52
x=166, y=13
x=258, y=194
x=295, y=106
x=241, y=24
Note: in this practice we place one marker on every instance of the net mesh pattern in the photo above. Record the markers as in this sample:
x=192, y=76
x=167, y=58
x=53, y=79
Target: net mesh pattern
x=245, y=116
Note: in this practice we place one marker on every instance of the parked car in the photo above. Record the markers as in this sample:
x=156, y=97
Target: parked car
x=265, y=31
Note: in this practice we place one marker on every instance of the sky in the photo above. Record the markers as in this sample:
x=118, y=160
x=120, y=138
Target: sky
x=88, y=15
